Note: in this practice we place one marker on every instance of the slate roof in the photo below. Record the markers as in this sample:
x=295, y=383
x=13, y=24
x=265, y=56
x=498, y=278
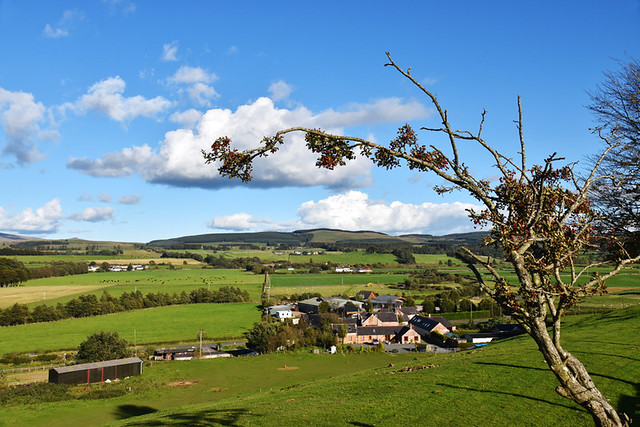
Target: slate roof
x=428, y=323
x=387, y=316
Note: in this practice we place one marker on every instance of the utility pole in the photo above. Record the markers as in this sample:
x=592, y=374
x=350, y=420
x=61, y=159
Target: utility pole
x=200, y=331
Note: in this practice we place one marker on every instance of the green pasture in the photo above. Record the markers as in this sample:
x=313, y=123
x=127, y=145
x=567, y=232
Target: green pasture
x=152, y=325
x=45, y=291
x=334, y=279
x=504, y=384
x=333, y=284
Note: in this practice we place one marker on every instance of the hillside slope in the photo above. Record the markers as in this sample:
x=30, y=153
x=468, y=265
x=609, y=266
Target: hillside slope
x=504, y=384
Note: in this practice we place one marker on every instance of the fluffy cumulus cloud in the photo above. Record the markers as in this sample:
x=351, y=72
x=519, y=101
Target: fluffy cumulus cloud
x=178, y=160
x=107, y=97
x=195, y=82
x=21, y=118
x=93, y=214
x=187, y=119
x=104, y=197
x=280, y=90
x=45, y=219
x=355, y=211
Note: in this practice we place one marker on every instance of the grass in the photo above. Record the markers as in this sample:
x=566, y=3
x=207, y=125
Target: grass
x=63, y=289
x=154, y=325
x=503, y=384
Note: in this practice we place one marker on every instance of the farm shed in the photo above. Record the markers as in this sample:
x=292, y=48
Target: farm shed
x=87, y=373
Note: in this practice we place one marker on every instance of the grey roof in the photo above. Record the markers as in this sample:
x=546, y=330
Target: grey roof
x=428, y=323
x=94, y=365
x=444, y=321
x=387, y=316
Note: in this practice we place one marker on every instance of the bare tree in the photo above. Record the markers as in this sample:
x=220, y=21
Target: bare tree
x=539, y=216
x=616, y=106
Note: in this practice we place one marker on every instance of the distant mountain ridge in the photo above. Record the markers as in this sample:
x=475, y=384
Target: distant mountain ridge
x=319, y=236
x=5, y=237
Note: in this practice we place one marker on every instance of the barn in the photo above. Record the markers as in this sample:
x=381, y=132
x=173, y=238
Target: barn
x=87, y=373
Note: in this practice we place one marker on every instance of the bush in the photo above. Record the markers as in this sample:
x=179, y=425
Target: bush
x=102, y=346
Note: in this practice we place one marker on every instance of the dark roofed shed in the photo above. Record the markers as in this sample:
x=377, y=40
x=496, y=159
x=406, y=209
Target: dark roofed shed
x=87, y=373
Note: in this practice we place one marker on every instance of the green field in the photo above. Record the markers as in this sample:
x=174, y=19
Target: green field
x=153, y=325
x=504, y=384
x=116, y=283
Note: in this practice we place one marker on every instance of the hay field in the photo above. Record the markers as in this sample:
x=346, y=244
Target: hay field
x=42, y=294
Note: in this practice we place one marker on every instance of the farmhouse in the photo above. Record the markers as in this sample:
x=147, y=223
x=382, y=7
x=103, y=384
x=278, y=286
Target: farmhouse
x=365, y=295
x=97, y=372
x=426, y=325
x=280, y=312
x=394, y=334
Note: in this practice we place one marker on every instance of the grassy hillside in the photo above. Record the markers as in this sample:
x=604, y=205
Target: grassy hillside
x=153, y=325
x=503, y=384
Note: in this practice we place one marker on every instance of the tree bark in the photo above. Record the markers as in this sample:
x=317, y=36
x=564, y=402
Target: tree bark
x=575, y=382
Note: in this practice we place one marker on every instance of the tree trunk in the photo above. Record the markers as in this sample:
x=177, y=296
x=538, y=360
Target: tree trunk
x=575, y=382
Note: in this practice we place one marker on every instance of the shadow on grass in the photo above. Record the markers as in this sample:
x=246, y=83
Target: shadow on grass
x=606, y=354
x=358, y=423
x=630, y=405
x=128, y=411
x=205, y=417
x=573, y=408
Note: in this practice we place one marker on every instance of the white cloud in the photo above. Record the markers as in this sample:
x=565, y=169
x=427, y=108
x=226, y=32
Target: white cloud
x=187, y=119
x=104, y=197
x=54, y=33
x=170, y=51
x=93, y=215
x=45, y=219
x=198, y=82
x=355, y=211
x=61, y=29
x=178, y=160
x=380, y=110
x=130, y=199
x=20, y=117
x=188, y=75
x=202, y=93
x=236, y=222
x=106, y=97
x=280, y=90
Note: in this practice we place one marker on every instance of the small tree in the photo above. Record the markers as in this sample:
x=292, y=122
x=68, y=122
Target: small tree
x=102, y=346
x=539, y=216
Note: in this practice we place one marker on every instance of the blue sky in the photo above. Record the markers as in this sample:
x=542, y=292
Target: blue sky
x=105, y=106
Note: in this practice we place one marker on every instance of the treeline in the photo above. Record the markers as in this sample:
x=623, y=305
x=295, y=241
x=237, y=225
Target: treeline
x=13, y=272
x=6, y=251
x=57, y=269
x=91, y=305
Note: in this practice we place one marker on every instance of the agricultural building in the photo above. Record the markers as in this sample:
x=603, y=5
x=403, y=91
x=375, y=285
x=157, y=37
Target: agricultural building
x=87, y=373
